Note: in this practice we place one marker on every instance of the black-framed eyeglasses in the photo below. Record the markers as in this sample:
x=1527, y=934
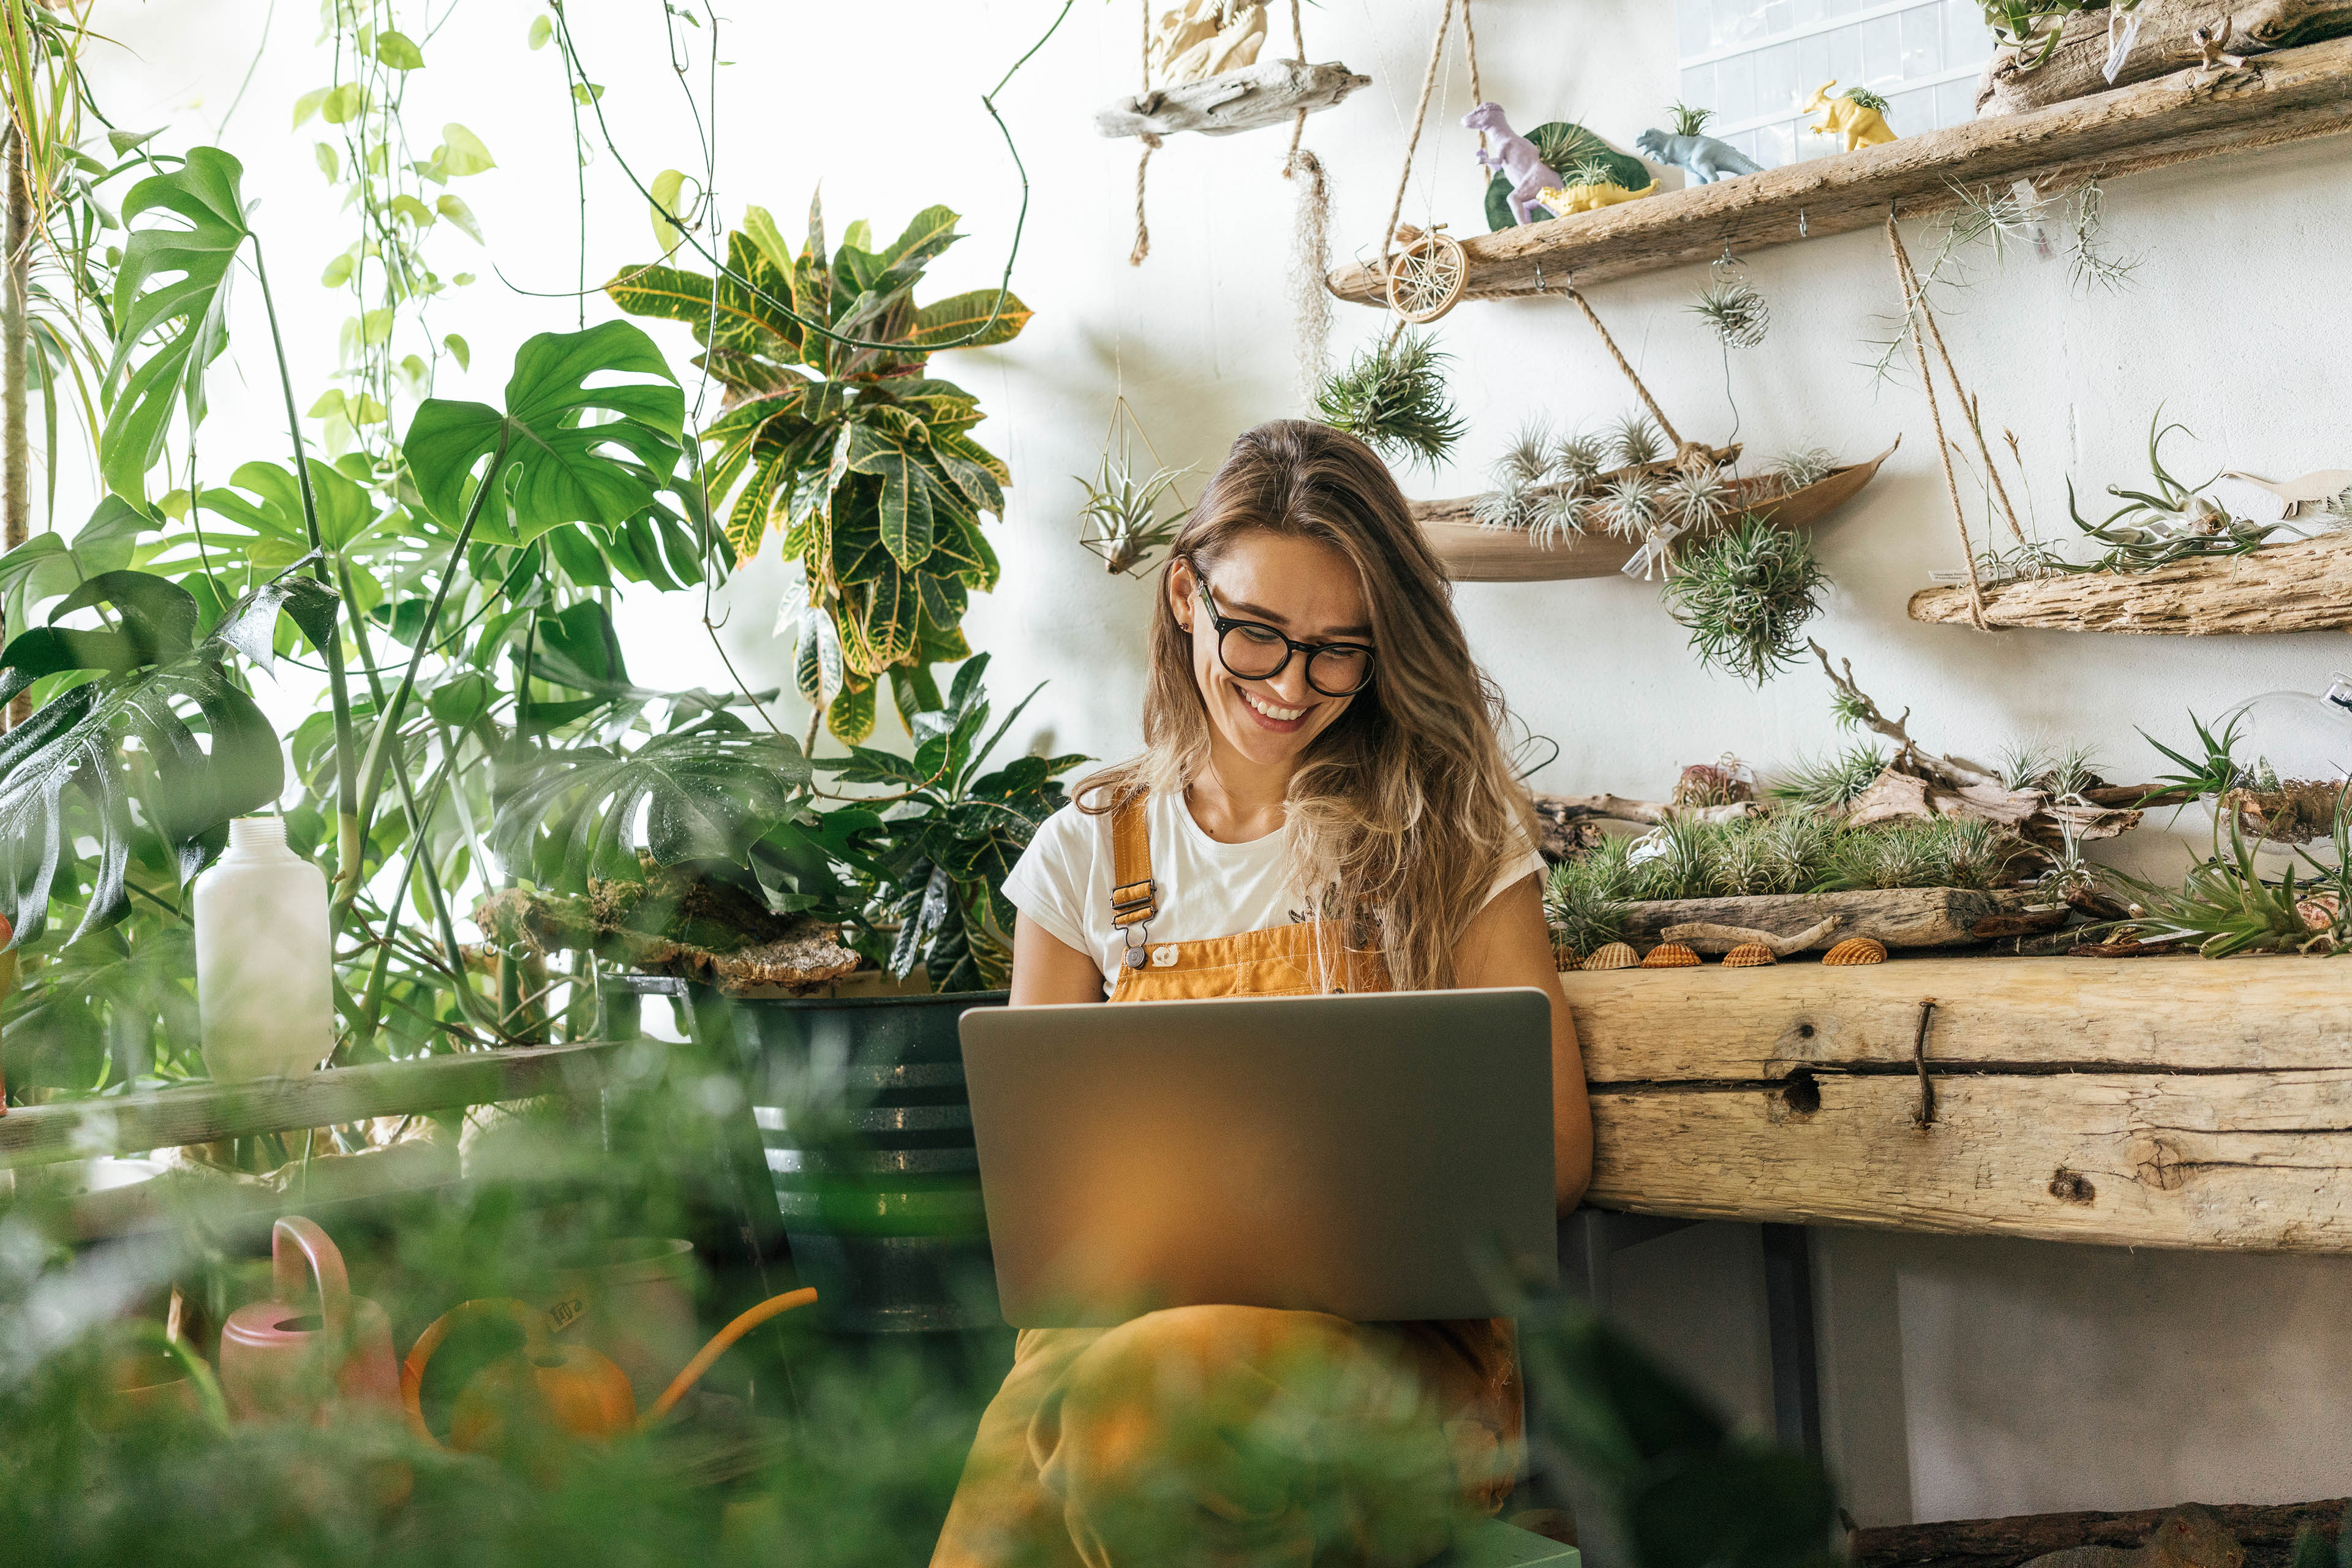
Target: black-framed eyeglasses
x=1255, y=651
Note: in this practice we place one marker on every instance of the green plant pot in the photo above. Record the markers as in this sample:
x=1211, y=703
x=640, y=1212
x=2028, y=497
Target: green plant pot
x=866, y=1132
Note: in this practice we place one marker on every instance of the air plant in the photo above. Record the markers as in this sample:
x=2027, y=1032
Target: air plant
x=1594, y=170
x=2228, y=907
x=1120, y=520
x=1689, y=122
x=1744, y=595
x=1695, y=499
x=2173, y=523
x=1634, y=441
x=1734, y=309
x=1508, y=505
x=2033, y=27
x=1628, y=507
x=2215, y=771
x=1833, y=781
x=1801, y=466
x=1867, y=98
x=1581, y=915
x=1392, y=398
x=1557, y=513
x=1515, y=474
x=1577, y=459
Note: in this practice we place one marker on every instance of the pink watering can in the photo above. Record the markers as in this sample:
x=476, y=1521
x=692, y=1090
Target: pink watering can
x=286, y=1357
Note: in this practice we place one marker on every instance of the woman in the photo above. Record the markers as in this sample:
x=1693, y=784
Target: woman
x=1322, y=805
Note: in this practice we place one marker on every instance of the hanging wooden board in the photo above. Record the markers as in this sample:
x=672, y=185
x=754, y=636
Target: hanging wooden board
x=1220, y=105
x=2304, y=586
x=2289, y=96
x=2077, y=67
x=1471, y=554
x=2149, y=1102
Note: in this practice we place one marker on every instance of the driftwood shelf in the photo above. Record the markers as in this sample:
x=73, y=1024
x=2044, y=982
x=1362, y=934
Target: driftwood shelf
x=2290, y=96
x=2146, y=1102
x=2304, y=586
x=201, y=1113
x=1471, y=554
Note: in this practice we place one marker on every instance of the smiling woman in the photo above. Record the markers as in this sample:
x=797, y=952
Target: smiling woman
x=1321, y=806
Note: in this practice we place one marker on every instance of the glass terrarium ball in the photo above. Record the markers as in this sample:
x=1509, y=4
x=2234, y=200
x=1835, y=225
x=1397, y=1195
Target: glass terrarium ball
x=2296, y=737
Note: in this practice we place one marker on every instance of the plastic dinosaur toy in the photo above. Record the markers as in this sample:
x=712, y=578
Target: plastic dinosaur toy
x=1587, y=189
x=1858, y=114
x=1516, y=157
x=2186, y=1537
x=1706, y=159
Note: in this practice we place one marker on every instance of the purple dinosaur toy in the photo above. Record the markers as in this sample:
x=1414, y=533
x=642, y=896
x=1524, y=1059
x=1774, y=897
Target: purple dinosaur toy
x=1515, y=156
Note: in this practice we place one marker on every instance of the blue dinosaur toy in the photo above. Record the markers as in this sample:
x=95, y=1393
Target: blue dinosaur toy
x=1707, y=159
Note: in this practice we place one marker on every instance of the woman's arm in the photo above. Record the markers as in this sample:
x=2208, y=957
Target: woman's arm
x=1508, y=944
x=1047, y=970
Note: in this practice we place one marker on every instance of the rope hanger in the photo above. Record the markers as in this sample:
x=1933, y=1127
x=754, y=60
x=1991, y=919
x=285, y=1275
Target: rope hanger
x=1152, y=140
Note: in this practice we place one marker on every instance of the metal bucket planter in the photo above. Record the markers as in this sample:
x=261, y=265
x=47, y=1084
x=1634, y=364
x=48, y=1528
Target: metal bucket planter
x=867, y=1130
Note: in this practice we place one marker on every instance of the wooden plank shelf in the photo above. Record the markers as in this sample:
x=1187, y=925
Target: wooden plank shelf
x=2303, y=586
x=201, y=1113
x=2146, y=1102
x=2290, y=96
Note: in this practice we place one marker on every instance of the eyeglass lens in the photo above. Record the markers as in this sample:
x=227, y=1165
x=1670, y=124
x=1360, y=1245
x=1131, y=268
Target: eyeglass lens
x=1256, y=653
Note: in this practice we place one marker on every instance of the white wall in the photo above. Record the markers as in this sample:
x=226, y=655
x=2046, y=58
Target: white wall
x=2029, y=1376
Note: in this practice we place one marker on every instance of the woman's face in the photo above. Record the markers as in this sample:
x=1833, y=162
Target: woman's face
x=1304, y=589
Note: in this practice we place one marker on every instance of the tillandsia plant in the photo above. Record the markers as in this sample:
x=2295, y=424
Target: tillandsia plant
x=833, y=432
x=2226, y=906
x=2033, y=27
x=1745, y=596
x=2174, y=522
x=1392, y=397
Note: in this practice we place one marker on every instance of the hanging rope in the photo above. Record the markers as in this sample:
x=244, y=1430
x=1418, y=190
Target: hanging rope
x=1915, y=290
x=1419, y=114
x=1617, y=354
x=1142, y=246
x=1915, y=306
x=1298, y=57
x=1477, y=94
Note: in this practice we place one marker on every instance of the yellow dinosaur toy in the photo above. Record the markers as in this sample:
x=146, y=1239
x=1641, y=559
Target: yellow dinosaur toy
x=1857, y=113
x=1562, y=200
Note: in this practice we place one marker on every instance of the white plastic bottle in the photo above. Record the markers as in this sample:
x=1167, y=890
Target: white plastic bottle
x=264, y=981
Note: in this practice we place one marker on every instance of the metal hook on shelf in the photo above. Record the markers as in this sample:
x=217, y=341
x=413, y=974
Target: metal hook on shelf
x=1801, y=232
x=1539, y=278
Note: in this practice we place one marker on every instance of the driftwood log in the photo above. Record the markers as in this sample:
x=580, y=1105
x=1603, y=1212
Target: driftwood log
x=2303, y=586
x=2078, y=66
x=2165, y=1102
x=2267, y=1530
x=1243, y=99
x=1899, y=917
x=1470, y=553
x=2289, y=96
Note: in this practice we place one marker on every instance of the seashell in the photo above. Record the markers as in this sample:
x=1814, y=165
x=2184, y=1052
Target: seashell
x=1563, y=957
x=1856, y=949
x=1613, y=955
x=1748, y=955
x=1670, y=955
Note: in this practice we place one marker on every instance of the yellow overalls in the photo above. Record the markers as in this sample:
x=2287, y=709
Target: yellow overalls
x=1236, y=1435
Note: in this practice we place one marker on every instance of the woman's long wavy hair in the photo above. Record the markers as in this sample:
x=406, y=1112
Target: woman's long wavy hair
x=1405, y=810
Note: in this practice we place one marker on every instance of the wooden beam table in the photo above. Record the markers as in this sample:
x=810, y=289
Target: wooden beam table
x=2144, y=1102
x=203, y=1112
x=2290, y=96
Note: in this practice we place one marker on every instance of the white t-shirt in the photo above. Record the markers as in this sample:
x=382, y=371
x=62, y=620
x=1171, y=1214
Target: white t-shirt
x=1206, y=888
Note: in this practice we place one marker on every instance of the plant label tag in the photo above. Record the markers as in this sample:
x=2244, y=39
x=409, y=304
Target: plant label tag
x=2120, y=48
x=2030, y=203
x=1652, y=556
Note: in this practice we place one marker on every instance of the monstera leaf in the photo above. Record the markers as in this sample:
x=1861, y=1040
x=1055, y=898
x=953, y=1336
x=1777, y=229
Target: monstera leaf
x=153, y=683
x=172, y=286
x=707, y=793
x=1562, y=146
x=553, y=467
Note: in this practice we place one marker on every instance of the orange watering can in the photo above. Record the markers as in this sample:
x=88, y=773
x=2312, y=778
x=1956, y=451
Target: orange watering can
x=580, y=1390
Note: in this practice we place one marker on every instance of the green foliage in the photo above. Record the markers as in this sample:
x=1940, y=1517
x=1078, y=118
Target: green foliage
x=1834, y=780
x=2215, y=769
x=2227, y=906
x=1582, y=916
x=172, y=286
x=1746, y=595
x=1689, y=122
x=866, y=462
x=1735, y=311
x=1865, y=99
x=2173, y=523
x=1392, y=397
x=121, y=732
x=2033, y=27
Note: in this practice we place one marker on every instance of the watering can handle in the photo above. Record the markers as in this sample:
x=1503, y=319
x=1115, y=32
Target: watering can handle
x=420, y=1355
x=295, y=1242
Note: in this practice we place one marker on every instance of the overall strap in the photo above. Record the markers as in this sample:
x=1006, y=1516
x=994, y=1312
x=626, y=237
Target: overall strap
x=1134, y=895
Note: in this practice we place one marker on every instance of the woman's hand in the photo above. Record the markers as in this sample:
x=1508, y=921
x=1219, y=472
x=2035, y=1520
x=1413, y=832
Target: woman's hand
x=1047, y=970
x=1508, y=944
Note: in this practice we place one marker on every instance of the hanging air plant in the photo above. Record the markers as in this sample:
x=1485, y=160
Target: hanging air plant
x=1744, y=595
x=1695, y=499
x=1801, y=466
x=1733, y=308
x=1121, y=522
x=1393, y=399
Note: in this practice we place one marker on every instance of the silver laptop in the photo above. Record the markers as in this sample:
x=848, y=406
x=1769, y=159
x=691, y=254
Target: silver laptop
x=1378, y=1157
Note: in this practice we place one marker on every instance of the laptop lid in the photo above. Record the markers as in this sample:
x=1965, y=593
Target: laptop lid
x=1380, y=1157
